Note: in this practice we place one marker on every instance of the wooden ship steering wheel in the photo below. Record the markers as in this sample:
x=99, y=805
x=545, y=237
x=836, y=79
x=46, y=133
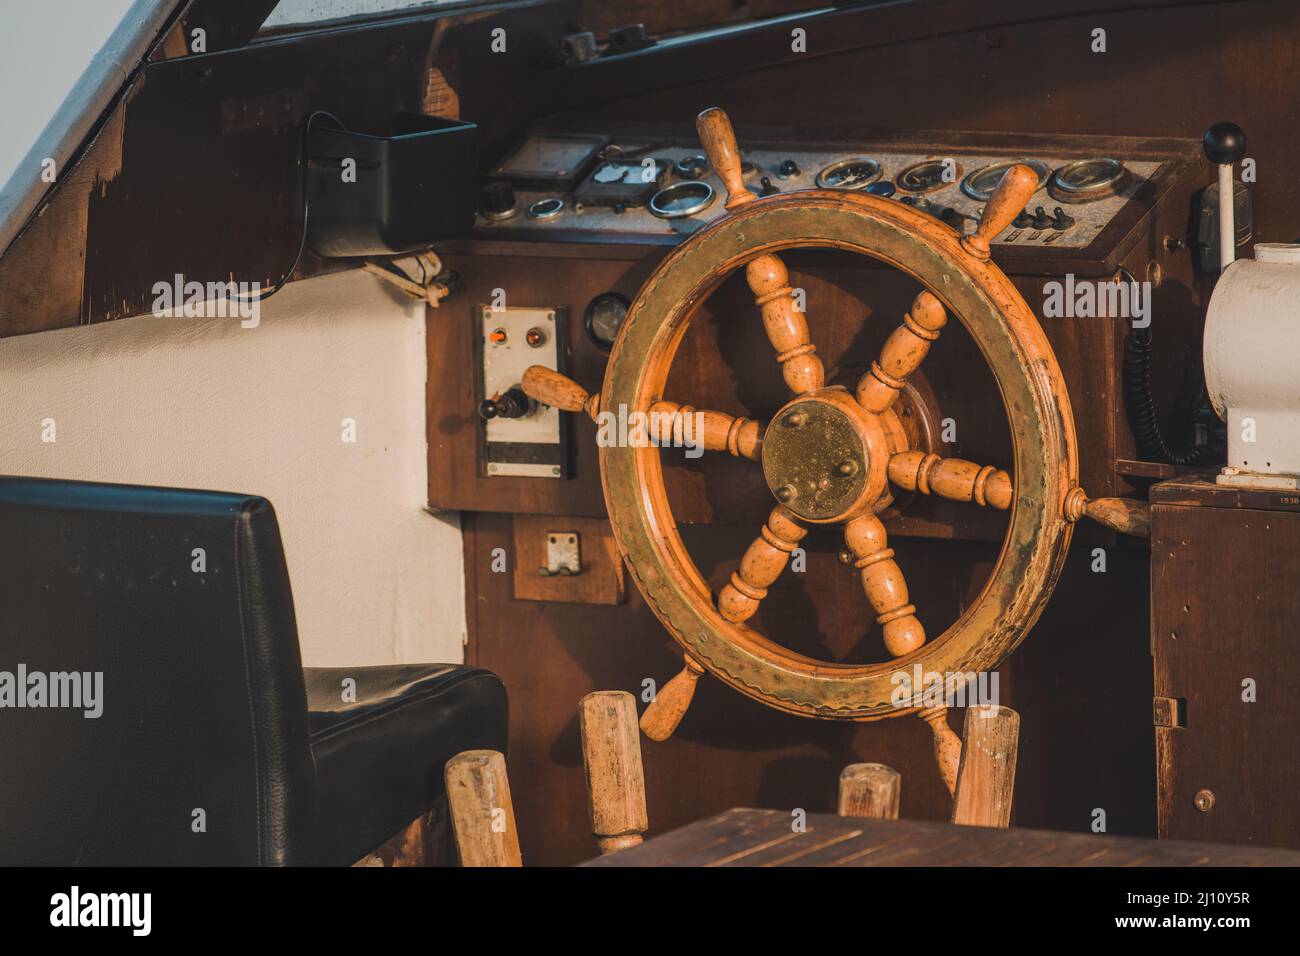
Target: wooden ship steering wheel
x=830, y=456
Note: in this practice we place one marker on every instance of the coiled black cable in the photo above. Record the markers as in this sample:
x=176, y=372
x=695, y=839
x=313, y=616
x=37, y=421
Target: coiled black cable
x=1141, y=408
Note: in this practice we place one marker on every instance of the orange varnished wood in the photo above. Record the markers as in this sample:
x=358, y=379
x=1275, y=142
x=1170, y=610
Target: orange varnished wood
x=716, y=431
x=902, y=353
x=952, y=478
x=559, y=391
x=1017, y=185
x=671, y=703
x=719, y=141
x=668, y=421
x=884, y=584
x=762, y=564
x=786, y=327
x=1125, y=515
x=947, y=745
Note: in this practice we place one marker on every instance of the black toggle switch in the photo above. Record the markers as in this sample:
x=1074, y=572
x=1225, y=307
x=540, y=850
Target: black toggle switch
x=515, y=403
x=1060, y=220
x=766, y=187
x=1041, y=219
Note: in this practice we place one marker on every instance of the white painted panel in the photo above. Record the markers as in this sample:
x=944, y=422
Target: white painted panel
x=204, y=403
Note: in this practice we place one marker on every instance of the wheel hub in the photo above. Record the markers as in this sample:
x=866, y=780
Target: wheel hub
x=824, y=457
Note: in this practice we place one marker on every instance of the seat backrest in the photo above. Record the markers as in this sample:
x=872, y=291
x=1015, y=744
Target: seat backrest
x=152, y=707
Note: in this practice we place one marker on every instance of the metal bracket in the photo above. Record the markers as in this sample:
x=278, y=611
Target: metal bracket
x=563, y=554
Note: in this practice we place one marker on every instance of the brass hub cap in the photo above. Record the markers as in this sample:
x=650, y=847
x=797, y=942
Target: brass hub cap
x=824, y=458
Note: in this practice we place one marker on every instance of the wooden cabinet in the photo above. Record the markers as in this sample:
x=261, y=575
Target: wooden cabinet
x=1225, y=619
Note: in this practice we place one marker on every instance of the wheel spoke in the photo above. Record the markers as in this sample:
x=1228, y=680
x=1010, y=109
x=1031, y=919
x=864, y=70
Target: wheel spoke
x=762, y=564
x=886, y=589
x=786, y=327
x=687, y=426
x=883, y=581
x=952, y=478
x=902, y=353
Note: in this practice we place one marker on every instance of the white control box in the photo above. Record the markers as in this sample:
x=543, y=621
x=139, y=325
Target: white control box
x=532, y=444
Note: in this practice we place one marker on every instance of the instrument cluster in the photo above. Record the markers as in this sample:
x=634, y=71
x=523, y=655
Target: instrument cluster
x=597, y=184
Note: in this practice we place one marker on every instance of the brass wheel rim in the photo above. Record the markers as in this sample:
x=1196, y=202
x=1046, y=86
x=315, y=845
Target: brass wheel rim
x=1033, y=393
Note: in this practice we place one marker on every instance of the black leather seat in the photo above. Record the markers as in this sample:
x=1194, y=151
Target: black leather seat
x=153, y=705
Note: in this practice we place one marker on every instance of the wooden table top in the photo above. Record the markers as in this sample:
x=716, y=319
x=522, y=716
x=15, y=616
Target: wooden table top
x=745, y=837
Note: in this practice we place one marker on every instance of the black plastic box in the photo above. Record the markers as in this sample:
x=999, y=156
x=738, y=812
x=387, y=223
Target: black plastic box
x=416, y=183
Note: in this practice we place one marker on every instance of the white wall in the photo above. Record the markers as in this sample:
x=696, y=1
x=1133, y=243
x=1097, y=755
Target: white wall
x=204, y=403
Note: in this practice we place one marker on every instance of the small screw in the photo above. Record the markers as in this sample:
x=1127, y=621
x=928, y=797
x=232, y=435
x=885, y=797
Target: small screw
x=824, y=484
x=796, y=420
x=847, y=467
x=786, y=493
x=845, y=556
x=1204, y=800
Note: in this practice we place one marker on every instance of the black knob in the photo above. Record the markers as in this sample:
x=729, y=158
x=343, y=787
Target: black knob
x=513, y=404
x=787, y=169
x=1224, y=143
x=498, y=197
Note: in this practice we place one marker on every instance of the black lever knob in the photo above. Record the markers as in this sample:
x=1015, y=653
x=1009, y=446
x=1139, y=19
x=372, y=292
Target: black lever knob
x=1224, y=143
x=513, y=404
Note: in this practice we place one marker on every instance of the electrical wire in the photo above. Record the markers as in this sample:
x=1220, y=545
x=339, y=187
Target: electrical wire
x=264, y=294
x=1141, y=408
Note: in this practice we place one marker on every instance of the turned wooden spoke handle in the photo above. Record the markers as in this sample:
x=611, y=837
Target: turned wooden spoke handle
x=884, y=584
x=986, y=779
x=559, y=391
x=611, y=757
x=761, y=565
x=719, y=141
x=951, y=478
x=1017, y=185
x=786, y=327
x=902, y=353
x=671, y=703
x=715, y=431
x=869, y=790
x=947, y=745
x=1125, y=515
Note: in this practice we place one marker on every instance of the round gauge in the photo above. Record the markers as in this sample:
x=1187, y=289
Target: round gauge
x=682, y=199
x=1087, y=180
x=854, y=173
x=981, y=183
x=928, y=175
x=605, y=315
x=549, y=208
